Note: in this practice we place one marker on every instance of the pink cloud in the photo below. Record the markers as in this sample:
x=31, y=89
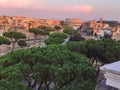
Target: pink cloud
x=34, y=9
x=79, y=8
x=14, y=3
x=67, y=9
x=31, y=4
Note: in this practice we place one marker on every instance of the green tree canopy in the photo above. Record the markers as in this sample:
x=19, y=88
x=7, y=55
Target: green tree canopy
x=54, y=41
x=58, y=35
x=106, y=50
x=56, y=38
x=69, y=30
x=57, y=27
x=76, y=37
x=14, y=36
x=4, y=41
x=22, y=43
x=45, y=28
x=52, y=65
x=37, y=31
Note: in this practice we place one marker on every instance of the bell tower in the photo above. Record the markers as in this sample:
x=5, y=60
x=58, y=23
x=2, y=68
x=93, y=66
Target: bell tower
x=101, y=22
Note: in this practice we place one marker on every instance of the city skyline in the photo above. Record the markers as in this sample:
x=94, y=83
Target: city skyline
x=52, y=9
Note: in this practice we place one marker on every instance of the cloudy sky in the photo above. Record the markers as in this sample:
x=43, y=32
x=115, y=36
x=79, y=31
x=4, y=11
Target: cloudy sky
x=60, y=9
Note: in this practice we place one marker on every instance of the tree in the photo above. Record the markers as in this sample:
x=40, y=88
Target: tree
x=76, y=37
x=106, y=50
x=37, y=31
x=22, y=43
x=58, y=35
x=14, y=36
x=4, y=41
x=57, y=28
x=45, y=28
x=56, y=38
x=54, y=41
x=53, y=65
x=69, y=30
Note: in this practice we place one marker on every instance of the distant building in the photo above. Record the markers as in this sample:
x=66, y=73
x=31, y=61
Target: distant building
x=52, y=22
x=103, y=32
x=116, y=33
x=73, y=22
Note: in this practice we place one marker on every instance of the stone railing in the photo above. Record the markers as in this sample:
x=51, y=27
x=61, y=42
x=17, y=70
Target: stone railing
x=112, y=74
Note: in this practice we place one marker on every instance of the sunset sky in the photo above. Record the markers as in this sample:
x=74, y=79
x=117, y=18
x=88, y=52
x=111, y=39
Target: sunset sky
x=61, y=9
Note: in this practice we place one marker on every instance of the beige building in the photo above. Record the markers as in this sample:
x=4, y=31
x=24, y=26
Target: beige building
x=74, y=22
x=52, y=22
x=116, y=33
x=23, y=24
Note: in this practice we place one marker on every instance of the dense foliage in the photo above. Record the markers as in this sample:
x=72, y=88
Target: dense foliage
x=69, y=30
x=57, y=28
x=106, y=50
x=22, y=43
x=14, y=36
x=46, y=28
x=54, y=41
x=4, y=41
x=76, y=37
x=58, y=35
x=38, y=31
x=56, y=38
x=50, y=68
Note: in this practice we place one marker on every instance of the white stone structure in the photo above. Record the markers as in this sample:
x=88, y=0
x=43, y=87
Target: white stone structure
x=112, y=74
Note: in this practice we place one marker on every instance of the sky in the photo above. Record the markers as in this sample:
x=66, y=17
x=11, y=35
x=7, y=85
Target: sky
x=61, y=9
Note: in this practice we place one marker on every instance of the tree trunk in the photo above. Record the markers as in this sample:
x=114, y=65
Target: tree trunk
x=35, y=36
x=41, y=83
x=93, y=60
x=72, y=79
x=97, y=72
x=14, y=42
x=96, y=62
x=47, y=87
x=39, y=87
x=13, y=45
x=34, y=83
